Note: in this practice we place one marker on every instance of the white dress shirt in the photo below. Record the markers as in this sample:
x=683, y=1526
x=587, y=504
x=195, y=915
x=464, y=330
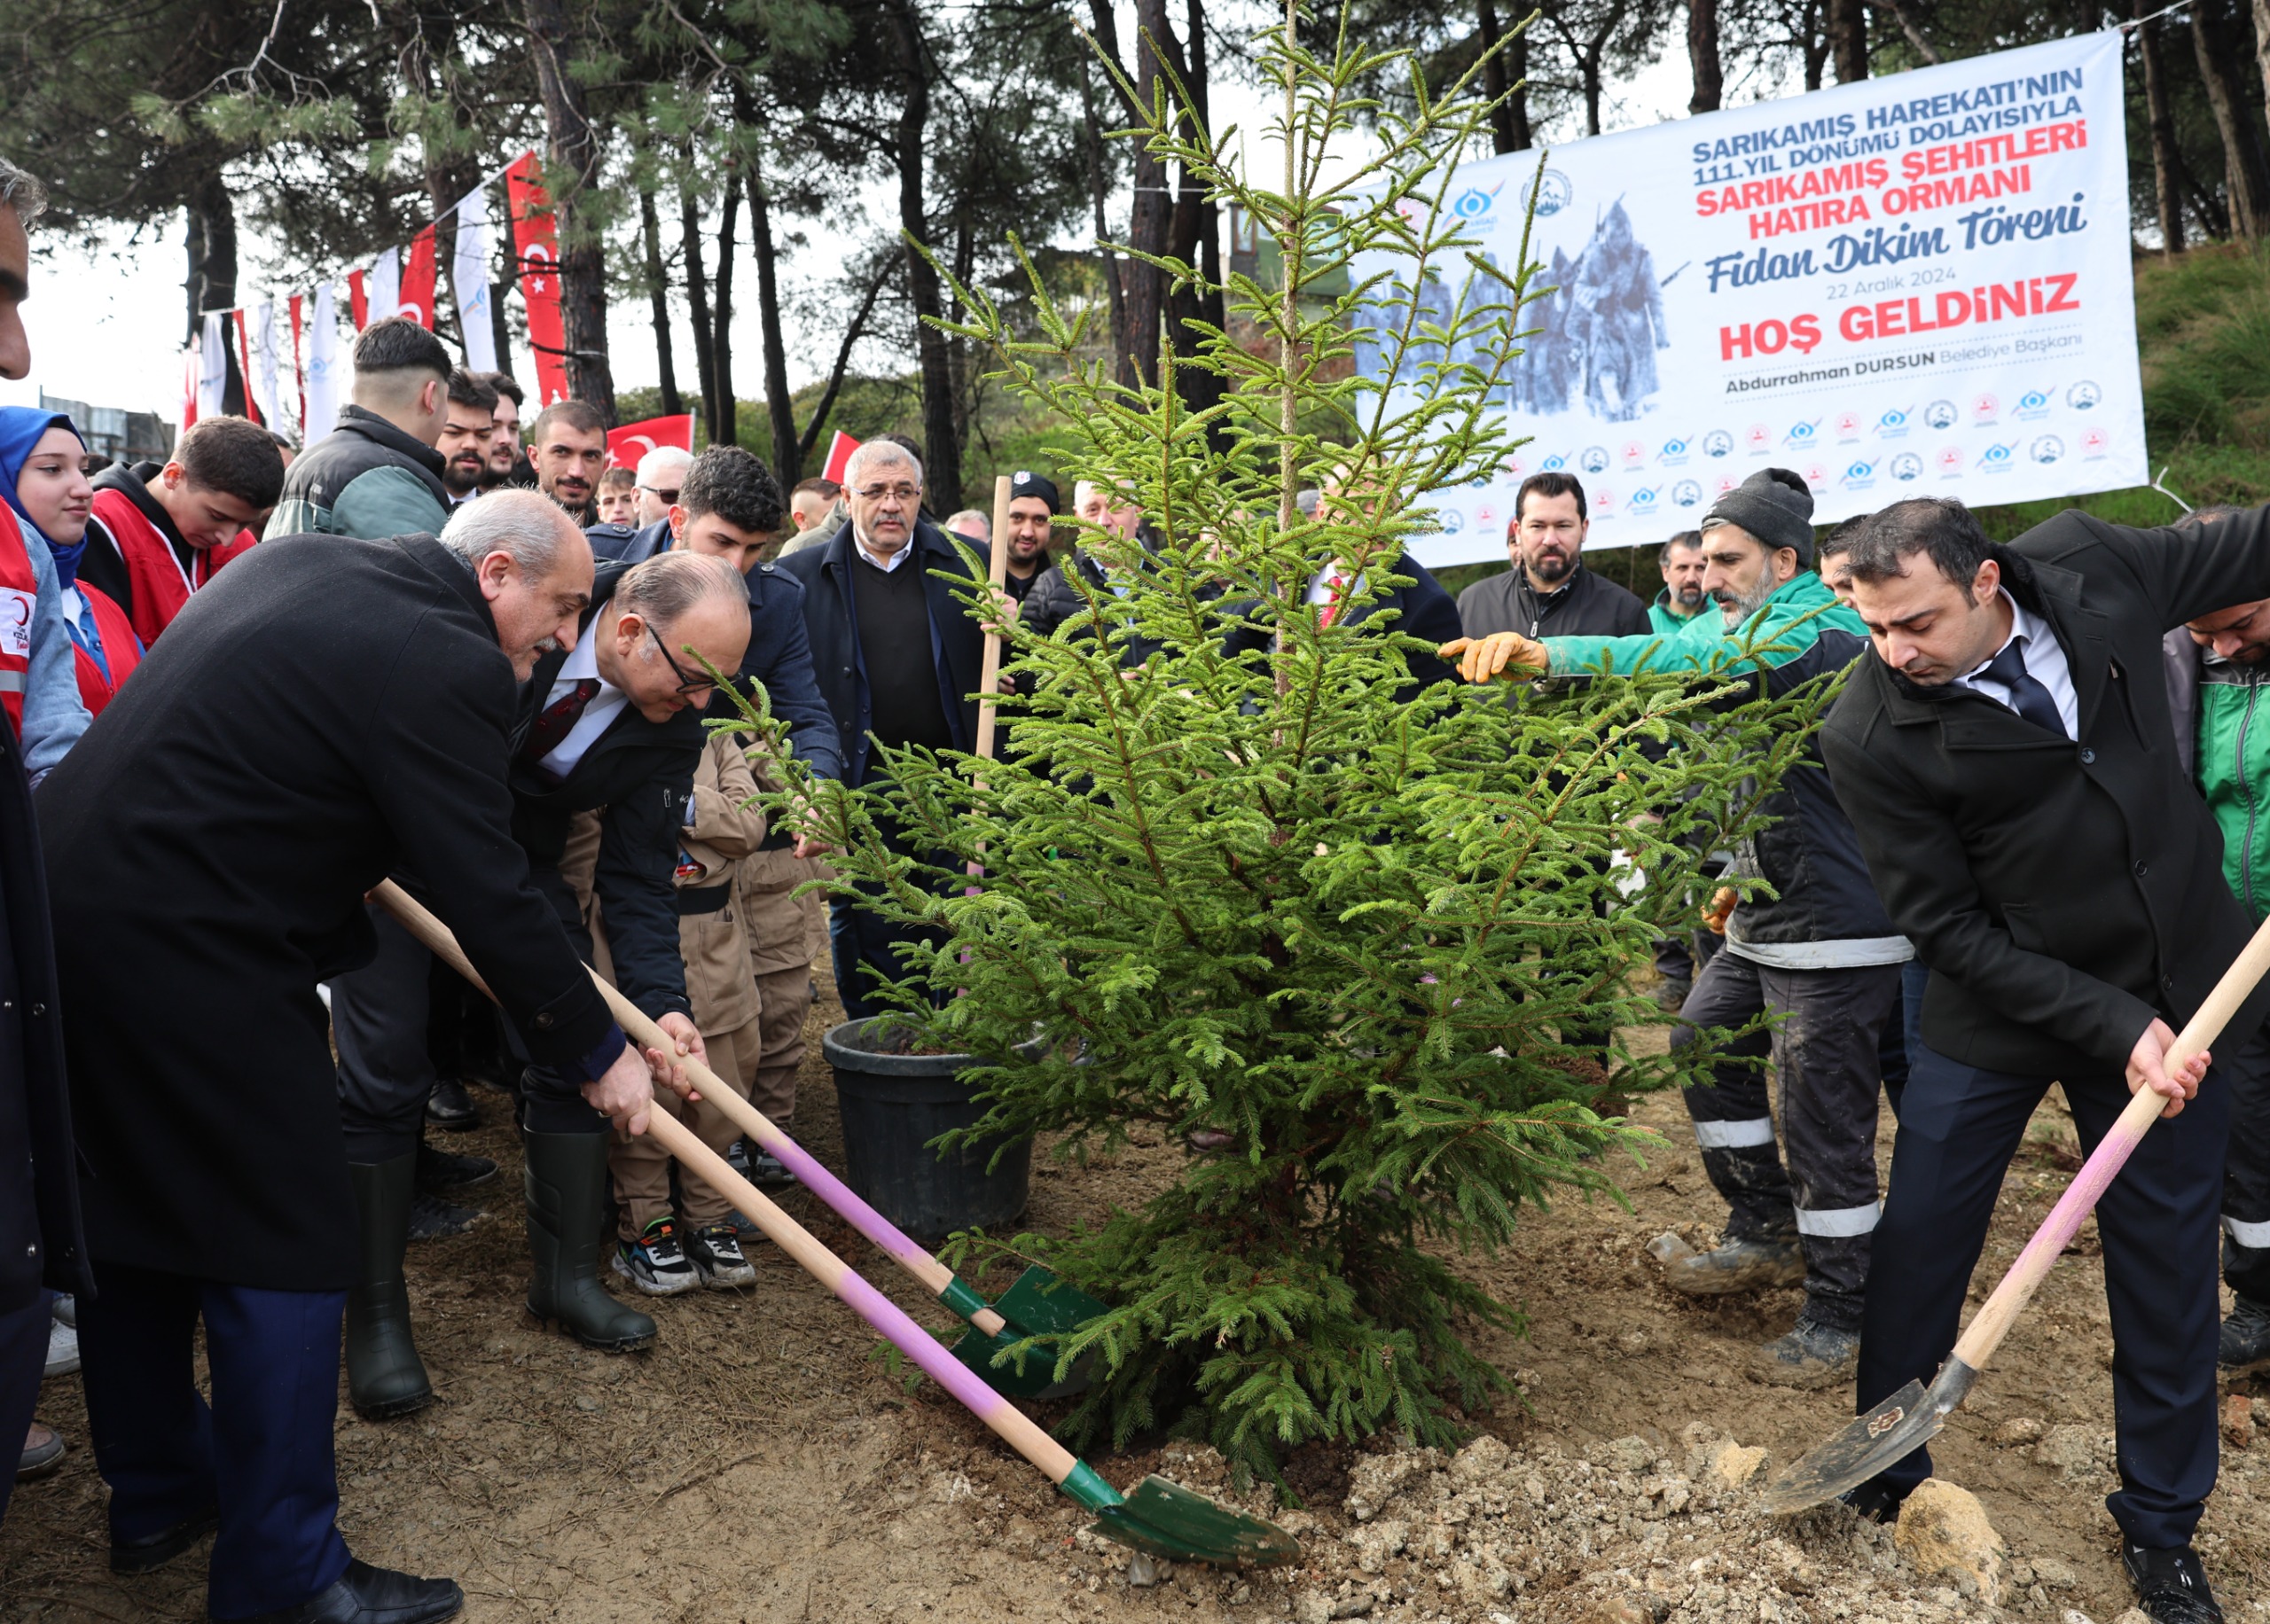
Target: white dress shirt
x=2045, y=662
x=583, y=661
x=885, y=563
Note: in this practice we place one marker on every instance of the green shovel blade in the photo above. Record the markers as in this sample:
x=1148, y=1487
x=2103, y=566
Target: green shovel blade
x=1037, y=1304
x=1168, y=1520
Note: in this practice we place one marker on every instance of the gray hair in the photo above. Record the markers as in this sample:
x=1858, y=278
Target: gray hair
x=22, y=193
x=671, y=584
x=660, y=461
x=873, y=451
x=526, y=525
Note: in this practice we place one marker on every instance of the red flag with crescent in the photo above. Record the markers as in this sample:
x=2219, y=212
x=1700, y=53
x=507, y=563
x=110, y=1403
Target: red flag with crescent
x=626, y=445
x=536, y=242
x=416, y=298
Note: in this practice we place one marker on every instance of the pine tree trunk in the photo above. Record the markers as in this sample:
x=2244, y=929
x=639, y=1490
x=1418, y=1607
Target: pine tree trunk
x=1497, y=79
x=2241, y=159
x=780, y=407
x=574, y=150
x=658, y=289
x=1702, y=56
x=697, y=300
x=726, y=429
x=1816, y=43
x=1848, y=39
x=1150, y=217
x=1517, y=71
x=941, y=449
x=2162, y=118
x=1091, y=127
x=212, y=242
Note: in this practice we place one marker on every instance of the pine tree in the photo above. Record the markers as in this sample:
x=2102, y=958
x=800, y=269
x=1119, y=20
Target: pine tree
x=1261, y=882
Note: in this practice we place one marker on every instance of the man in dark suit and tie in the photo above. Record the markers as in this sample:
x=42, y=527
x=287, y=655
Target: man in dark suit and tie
x=898, y=658
x=2010, y=734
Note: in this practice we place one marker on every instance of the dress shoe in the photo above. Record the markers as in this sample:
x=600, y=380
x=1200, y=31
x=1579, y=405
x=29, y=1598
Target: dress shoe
x=2171, y=1584
x=439, y=1169
x=448, y=1108
x=154, y=1550
x=367, y=1594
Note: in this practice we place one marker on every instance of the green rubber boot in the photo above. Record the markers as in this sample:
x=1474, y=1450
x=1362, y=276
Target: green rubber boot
x=385, y=1377
x=566, y=1188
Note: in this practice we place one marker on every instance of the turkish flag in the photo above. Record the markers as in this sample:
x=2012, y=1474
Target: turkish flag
x=536, y=242
x=626, y=445
x=243, y=362
x=358, y=300
x=416, y=298
x=838, y=456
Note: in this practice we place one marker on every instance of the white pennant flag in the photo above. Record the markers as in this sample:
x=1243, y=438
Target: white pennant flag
x=469, y=274
x=213, y=359
x=386, y=285
x=262, y=383
x=323, y=369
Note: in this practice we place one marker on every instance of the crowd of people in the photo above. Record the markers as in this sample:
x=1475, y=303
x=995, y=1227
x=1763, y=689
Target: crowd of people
x=246, y=684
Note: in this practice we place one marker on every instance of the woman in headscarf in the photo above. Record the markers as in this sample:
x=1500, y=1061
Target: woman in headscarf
x=44, y=476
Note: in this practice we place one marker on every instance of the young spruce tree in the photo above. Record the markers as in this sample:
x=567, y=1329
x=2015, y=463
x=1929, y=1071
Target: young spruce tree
x=1262, y=883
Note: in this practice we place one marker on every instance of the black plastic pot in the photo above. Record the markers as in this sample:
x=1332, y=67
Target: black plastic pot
x=893, y=1106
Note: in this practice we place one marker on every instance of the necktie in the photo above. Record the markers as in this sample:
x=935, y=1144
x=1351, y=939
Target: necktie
x=2028, y=697
x=1336, y=586
x=558, y=720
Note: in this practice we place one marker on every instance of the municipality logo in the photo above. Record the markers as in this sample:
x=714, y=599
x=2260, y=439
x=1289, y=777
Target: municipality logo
x=1594, y=459
x=1644, y=499
x=1848, y=426
x=2033, y=403
x=2083, y=395
x=1906, y=467
x=1940, y=414
x=1554, y=193
x=1454, y=522
x=1998, y=459
x=1604, y=501
x=1685, y=493
x=1473, y=206
x=1674, y=453
x=1554, y=464
x=1859, y=475
x=1802, y=433
x=1893, y=423
x=1718, y=442
x=2045, y=450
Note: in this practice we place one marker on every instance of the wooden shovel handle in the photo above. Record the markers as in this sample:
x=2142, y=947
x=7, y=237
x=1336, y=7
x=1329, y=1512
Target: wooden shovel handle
x=1993, y=1321
x=997, y=571
x=419, y=922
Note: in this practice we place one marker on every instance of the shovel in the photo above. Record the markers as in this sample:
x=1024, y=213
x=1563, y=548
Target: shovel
x=1037, y=1304
x=1160, y=1518
x=1913, y=1417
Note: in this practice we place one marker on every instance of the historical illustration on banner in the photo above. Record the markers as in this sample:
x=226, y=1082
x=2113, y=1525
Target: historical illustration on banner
x=1906, y=285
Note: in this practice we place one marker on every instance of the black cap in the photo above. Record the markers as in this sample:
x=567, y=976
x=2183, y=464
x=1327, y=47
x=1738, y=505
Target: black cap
x=1024, y=482
x=1774, y=505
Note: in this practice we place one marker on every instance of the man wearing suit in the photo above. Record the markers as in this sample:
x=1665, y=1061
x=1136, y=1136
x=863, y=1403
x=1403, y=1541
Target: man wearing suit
x=2010, y=733
x=327, y=711
x=612, y=719
x=898, y=658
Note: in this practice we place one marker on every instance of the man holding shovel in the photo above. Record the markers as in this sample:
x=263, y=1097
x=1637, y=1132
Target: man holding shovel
x=329, y=709
x=2011, y=733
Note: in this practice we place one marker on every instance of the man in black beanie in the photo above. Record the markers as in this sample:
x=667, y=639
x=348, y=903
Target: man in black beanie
x=1033, y=506
x=1811, y=946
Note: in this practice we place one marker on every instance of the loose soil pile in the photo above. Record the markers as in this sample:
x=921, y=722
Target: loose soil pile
x=763, y=1463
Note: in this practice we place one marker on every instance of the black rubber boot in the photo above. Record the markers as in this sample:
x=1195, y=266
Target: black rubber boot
x=384, y=1374
x=566, y=1188
x=2245, y=1343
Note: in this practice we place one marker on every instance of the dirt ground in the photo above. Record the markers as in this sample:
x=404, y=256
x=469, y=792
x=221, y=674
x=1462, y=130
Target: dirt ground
x=760, y=1464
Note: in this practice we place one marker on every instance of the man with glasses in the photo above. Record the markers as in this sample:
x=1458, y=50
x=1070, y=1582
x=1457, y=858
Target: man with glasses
x=898, y=658
x=661, y=481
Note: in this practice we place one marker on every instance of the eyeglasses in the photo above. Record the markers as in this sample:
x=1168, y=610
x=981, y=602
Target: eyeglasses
x=669, y=496
x=685, y=684
x=876, y=493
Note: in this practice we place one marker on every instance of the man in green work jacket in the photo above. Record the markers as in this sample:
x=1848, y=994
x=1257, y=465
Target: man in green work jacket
x=2218, y=698
x=1682, y=600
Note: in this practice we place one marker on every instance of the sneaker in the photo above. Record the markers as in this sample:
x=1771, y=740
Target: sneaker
x=767, y=1171
x=448, y=1108
x=2171, y=1585
x=737, y=1156
x=1812, y=1356
x=655, y=1264
x=62, y=1349
x=2245, y=1343
x=1736, y=1266
x=448, y=1170
x=431, y=1217
x=717, y=1256
x=43, y=1452
x=66, y=1309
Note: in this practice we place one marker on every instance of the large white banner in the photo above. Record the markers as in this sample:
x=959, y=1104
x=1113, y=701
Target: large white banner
x=1910, y=286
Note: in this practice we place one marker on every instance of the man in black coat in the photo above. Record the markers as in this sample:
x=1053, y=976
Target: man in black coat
x=610, y=723
x=1548, y=592
x=2005, y=759
x=329, y=710
x=898, y=656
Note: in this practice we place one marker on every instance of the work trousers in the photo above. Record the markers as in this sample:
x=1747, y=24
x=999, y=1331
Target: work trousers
x=386, y=1069
x=260, y=1451
x=1824, y=1049
x=1959, y=1126
x=786, y=997
x=642, y=1168
x=23, y=1359
x=2246, y=1186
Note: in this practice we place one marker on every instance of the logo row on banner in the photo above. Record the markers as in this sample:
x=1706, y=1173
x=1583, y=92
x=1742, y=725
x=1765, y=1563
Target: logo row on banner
x=1910, y=285
x=299, y=385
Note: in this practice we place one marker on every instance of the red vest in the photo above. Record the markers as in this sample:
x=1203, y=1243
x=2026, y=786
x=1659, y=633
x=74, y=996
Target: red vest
x=18, y=595
x=162, y=587
x=119, y=648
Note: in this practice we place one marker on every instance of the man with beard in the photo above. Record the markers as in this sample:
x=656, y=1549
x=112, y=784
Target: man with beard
x=1682, y=597
x=2218, y=669
x=1032, y=522
x=1549, y=592
x=466, y=433
x=569, y=446
x=508, y=464
x=1810, y=944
